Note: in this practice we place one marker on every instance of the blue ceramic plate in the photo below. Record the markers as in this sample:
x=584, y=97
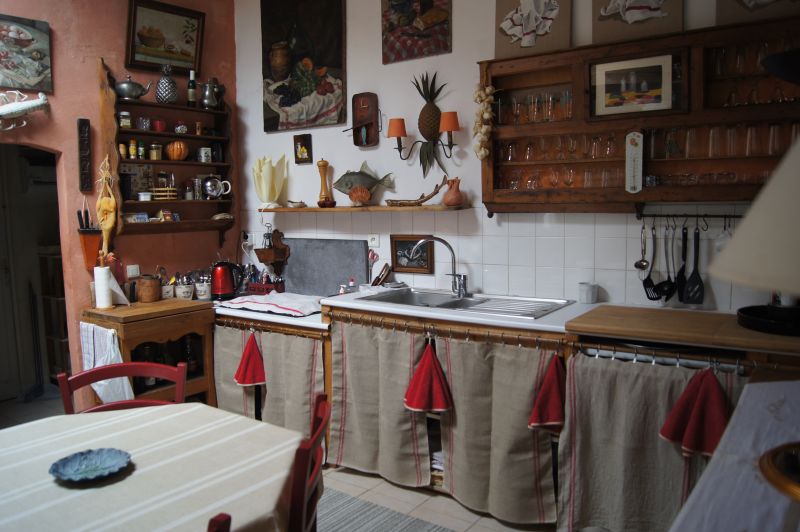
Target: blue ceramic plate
x=90, y=464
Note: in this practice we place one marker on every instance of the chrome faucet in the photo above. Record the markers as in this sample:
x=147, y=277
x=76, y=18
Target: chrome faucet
x=459, y=285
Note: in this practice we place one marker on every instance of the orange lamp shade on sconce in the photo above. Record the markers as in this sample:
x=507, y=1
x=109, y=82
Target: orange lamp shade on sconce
x=397, y=129
x=447, y=124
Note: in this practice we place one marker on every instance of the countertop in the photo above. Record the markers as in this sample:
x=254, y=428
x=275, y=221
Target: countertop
x=145, y=311
x=553, y=322
x=677, y=326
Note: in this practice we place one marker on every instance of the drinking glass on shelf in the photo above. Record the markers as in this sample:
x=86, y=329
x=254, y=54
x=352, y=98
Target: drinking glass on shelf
x=587, y=178
x=544, y=154
x=552, y=176
x=739, y=66
x=751, y=141
x=513, y=181
x=549, y=106
x=558, y=148
x=778, y=95
x=529, y=151
x=763, y=51
x=752, y=96
x=537, y=108
x=689, y=143
x=714, y=141
x=516, y=109
x=569, y=176
x=733, y=98
x=774, y=141
x=511, y=151
x=671, y=149
x=610, y=149
x=566, y=103
x=719, y=62
x=532, y=180
x=572, y=146
x=594, y=150
x=731, y=141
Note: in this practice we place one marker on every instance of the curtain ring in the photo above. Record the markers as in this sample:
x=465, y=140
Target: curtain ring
x=678, y=357
x=635, y=354
x=614, y=353
x=450, y=333
x=597, y=351
x=503, y=337
x=466, y=336
x=538, y=342
x=487, y=336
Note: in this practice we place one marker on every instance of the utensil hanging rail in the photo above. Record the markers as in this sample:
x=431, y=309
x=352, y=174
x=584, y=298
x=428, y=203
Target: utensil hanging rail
x=640, y=214
x=255, y=325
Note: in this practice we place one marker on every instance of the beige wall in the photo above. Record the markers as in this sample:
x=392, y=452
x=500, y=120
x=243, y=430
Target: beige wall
x=82, y=31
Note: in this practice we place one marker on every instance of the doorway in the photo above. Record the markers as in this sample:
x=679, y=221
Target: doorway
x=34, y=311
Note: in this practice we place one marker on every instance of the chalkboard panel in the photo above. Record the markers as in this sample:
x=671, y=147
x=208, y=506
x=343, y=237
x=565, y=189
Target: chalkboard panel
x=317, y=266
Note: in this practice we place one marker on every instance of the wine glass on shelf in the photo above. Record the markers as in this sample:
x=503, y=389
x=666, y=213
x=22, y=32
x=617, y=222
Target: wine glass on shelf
x=530, y=154
x=610, y=149
x=569, y=176
x=516, y=109
x=566, y=103
x=572, y=146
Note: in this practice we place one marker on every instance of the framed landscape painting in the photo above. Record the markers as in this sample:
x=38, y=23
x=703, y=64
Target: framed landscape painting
x=303, y=63
x=162, y=34
x=25, y=54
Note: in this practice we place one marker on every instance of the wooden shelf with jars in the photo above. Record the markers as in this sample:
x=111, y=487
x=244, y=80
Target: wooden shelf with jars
x=714, y=122
x=147, y=131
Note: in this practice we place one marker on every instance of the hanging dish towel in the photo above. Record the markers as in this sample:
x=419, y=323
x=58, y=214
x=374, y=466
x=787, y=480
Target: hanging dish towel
x=700, y=416
x=251, y=368
x=548, y=407
x=285, y=303
x=428, y=390
x=99, y=347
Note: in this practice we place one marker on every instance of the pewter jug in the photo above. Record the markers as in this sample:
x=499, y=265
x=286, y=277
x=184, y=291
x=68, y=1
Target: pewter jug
x=209, y=98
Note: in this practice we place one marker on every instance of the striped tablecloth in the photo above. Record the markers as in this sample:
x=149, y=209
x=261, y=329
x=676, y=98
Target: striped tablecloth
x=189, y=462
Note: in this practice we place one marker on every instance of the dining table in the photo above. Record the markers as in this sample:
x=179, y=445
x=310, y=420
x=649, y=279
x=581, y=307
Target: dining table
x=188, y=462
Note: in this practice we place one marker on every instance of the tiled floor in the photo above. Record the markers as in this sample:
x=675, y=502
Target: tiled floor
x=423, y=504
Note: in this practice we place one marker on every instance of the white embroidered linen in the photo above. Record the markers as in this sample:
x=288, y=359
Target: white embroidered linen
x=531, y=18
x=99, y=347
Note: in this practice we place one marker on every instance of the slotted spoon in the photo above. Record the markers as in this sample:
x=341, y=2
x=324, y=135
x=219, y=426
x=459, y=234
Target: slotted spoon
x=650, y=286
x=666, y=288
x=694, y=284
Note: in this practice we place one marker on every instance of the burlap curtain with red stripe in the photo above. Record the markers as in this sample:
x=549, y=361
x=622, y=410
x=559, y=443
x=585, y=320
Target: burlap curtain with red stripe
x=293, y=365
x=371, y=430
x=492, y=462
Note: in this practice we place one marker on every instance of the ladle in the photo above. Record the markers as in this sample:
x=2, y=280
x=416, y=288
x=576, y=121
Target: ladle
x=643, y=263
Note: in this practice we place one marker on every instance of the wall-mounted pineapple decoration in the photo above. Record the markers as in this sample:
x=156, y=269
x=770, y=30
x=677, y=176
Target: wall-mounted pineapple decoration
x=428, y=121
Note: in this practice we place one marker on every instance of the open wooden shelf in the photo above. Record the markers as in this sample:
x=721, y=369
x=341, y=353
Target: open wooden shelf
x=366, y=208
x=184, y=226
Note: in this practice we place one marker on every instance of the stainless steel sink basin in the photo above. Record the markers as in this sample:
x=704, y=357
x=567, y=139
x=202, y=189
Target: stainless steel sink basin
x=519, y=307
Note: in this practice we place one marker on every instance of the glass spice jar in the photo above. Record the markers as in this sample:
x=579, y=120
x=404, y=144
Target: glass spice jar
x=155, y=152
x=125, y=120
x=132, y=149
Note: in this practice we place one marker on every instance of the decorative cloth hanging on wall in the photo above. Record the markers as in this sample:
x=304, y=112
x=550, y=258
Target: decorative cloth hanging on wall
x=548, y=407
x=699, y=417
x=428, y=390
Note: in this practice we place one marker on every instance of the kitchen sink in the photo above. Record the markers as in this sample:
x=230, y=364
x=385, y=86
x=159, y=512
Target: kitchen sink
x=519, y=307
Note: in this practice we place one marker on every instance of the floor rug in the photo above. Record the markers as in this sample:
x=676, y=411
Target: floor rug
x=339, y=512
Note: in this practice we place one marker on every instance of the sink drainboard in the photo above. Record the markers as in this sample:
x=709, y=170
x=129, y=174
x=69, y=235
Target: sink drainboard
x=518, y=308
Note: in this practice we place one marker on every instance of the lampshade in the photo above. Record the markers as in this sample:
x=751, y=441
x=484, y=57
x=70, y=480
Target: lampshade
x=448, y=122
x=765, y=250
x=397, y=127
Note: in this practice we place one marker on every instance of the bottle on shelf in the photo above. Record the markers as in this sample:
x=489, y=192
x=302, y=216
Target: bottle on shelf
x=191, y=91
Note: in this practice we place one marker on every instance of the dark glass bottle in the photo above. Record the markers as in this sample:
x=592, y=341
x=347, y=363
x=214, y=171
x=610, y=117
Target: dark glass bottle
x=191, y=91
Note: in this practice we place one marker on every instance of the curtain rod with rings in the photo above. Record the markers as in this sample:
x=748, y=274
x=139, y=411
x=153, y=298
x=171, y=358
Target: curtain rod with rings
x=640, y=215
x=533, y=339
x=255, y=325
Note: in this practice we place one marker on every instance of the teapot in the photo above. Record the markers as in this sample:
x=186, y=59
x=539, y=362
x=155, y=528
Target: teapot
x=214, y=187
x=130, y=90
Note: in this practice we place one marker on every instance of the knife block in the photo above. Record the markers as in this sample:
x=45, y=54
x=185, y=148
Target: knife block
x=90, y=245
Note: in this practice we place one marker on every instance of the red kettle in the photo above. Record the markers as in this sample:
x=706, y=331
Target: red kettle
x=226, y=278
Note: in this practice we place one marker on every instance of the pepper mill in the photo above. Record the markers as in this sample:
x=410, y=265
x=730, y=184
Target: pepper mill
x=325, y=198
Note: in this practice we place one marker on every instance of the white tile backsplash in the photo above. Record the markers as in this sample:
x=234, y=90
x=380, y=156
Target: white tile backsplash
x=528, y=254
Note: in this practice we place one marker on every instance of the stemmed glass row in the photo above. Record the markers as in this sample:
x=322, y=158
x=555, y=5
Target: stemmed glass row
x=561, y=148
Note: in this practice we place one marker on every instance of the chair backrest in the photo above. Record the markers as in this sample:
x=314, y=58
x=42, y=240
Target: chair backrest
x=307, y=470
x=219, y=523
x=67, y=385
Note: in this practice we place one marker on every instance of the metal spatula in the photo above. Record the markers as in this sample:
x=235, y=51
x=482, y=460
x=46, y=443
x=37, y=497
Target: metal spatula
x=650, y=286
x=666, y=288
x=680, y=278
x=694, y=284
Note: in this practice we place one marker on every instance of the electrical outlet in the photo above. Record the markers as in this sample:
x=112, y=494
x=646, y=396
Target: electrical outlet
x=132, y=270
x=374, y=241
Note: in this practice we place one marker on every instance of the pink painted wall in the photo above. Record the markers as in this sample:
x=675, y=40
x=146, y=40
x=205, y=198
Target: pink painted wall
x=82, y=31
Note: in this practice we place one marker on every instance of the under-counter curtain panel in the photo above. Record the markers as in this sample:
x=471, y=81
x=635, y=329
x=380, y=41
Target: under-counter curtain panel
x=303, y=63
x=492, y=462
x=294, y=375
x=615, y=470
x=371, y=430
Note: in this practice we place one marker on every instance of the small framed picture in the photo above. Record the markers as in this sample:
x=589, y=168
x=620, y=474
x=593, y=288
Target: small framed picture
x=163, y=34
x=633, y=86
x=402, y=259
x=302, y=149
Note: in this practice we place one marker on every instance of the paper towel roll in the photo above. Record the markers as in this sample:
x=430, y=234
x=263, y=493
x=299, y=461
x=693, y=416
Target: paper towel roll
x=102, y=287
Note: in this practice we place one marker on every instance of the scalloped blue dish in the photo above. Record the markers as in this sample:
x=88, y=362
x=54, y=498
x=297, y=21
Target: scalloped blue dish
x=90, y=464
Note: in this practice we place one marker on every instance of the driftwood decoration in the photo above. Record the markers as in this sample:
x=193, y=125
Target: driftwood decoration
x=84, y=155
x=419, y=201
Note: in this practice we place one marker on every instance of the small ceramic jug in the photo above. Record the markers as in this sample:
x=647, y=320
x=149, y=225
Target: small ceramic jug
x=453, y=198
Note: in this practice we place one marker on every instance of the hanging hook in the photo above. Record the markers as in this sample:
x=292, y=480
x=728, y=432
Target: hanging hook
x=519, y=341
x=597, y=351
x=705, y=223
x=614, y=353
x=678, y=358
x=635, y=354
x=685, y=220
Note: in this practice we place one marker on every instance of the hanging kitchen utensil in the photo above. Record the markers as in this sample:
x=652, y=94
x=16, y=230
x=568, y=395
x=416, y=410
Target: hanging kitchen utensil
x=666, y=288
x=694, y=284
x=650, y=286
x=642, y=263
x=680, y=277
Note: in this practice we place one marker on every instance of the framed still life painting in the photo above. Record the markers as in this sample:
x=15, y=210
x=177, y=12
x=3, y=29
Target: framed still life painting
x=302, y=63
x=25, y=54
x=411, y=29
x=402, y=259
x=632, y=86
x=162, y=34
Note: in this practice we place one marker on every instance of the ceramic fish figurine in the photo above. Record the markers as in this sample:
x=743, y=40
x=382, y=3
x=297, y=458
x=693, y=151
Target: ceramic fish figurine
x=14, y=104
x=363, y=178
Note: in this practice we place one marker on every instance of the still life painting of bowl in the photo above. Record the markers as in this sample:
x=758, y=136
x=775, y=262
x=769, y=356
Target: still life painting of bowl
x=25, y=54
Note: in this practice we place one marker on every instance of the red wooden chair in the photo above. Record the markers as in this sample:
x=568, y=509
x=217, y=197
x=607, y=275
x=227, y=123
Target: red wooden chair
x=67, y=385
x=307, y=471
x=219, y=523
